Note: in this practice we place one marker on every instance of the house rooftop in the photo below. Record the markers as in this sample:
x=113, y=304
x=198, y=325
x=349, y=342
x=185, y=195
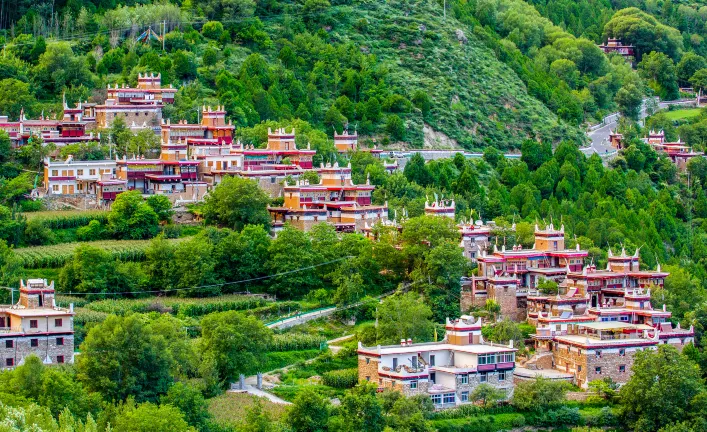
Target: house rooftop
x=435, y=346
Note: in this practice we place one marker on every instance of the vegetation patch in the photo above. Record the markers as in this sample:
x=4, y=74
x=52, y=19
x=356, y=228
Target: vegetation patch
x=229, y=409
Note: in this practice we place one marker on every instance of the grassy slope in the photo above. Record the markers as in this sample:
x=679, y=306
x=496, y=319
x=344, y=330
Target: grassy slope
x=477, y=99
x=683, y=114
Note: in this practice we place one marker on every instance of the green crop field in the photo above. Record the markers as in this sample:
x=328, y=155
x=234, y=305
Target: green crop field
x=54, y=256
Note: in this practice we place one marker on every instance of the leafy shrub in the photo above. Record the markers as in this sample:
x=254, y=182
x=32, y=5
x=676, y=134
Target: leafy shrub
x=347, y=378
x=563, y=416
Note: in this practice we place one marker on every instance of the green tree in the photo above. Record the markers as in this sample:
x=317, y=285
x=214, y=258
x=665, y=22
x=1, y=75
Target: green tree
x=234, y=343
x=131, y=217
x=195, y=266
x=237, y=202
x=416, y=171
x=241, y=256
x=487, y=395
x=162, y=207
x=309, y=412
x=665, y=387
x=189, y=400
x=547, y=287
x=404, y=316
x=395, y=127
x=659, y=70
x=148, y=417
x=539, y=394
x=688, y=65
x=699, y=79
x=629, y=99
x=159, y=263
x=212, y=30
x=361, y=410
x=122, y=357
x=259, y=420
x=292, y=250
x=14, y=96
x=410, y=414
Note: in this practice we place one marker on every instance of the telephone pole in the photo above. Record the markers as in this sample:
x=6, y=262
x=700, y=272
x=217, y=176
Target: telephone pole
x=164, y=30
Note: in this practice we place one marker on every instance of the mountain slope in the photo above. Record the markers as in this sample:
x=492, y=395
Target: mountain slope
x=476, y=99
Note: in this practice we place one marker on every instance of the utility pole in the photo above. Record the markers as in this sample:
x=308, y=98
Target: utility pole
x=164, y=30
x=444, y=7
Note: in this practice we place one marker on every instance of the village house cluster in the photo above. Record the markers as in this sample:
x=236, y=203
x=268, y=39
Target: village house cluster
x=679, y=152
x=589, y=330
x=196, y=157
x=35, y=325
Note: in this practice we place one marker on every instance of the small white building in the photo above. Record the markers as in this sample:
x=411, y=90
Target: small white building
x=75, y=177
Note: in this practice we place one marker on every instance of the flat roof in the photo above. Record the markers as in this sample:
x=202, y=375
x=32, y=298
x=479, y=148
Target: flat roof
x=616, y=325
x=584, y=340
x=38, y=312
x=471, y=349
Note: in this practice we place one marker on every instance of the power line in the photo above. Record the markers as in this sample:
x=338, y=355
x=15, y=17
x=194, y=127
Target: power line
x=200, y=287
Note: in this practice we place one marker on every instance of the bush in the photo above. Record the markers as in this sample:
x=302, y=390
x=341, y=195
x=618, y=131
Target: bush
x=346, y=378
x=563, y=416
x=539, y=394
x=212, y=30
x=395, y=127
x=37, y=234
x=91, y=232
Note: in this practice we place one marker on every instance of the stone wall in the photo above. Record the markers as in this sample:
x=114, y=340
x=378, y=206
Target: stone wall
x=512, y=307
x=474, y=380
x=584, y=365
x=46, y=346
x=469, y=300
x=74, y=201
x=367, y=370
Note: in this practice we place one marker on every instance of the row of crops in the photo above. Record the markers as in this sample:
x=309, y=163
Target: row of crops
x=54, y=256
x=192, y=307
x=62, y=219
x=295, y=342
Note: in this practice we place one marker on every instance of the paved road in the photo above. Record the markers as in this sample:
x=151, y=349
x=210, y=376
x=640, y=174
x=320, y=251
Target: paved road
x=600, y=136
x=302, y=318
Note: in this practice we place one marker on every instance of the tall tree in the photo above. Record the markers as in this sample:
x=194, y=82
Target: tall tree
x=123, y=357
x=234, y=343
x=665, y=388
x=237, y=202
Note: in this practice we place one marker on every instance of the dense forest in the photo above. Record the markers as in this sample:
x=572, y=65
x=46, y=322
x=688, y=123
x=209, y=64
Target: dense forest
x=164, y=317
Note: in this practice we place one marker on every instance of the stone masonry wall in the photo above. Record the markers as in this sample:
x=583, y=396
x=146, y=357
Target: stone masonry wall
x=571, y=363
x=609, y=363
x=369, y=369
x=22, y=348
x=474, y=380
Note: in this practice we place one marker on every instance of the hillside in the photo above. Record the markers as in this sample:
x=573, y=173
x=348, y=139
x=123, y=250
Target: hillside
x=476, y=99
x=398, y=71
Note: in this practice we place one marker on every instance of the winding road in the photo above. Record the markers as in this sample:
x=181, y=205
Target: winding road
x=599, y=135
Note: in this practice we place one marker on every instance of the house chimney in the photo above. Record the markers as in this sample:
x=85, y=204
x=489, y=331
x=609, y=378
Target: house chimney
x=402, y=342
x=409, y=342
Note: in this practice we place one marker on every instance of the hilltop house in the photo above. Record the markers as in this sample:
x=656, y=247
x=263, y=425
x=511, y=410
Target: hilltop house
x=35, y=325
